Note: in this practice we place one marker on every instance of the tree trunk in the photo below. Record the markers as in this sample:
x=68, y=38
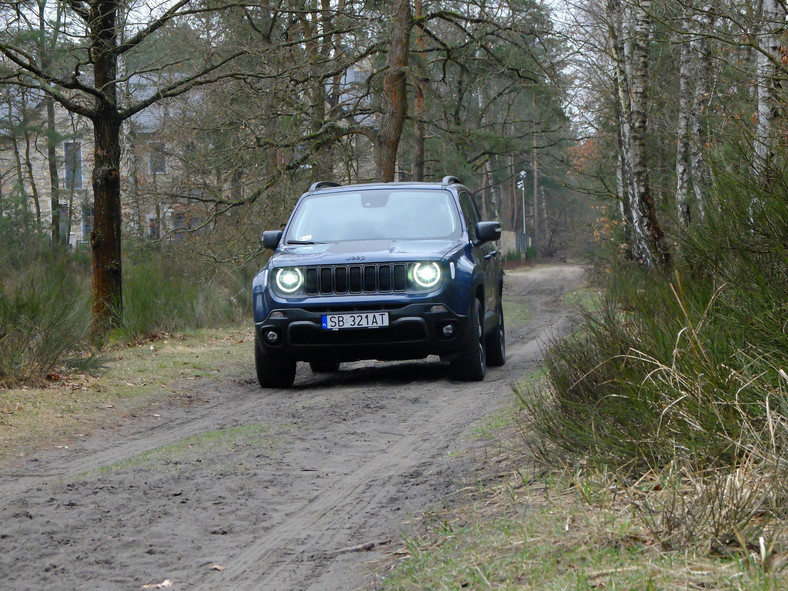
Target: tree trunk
x=395, y=99
x=485, y=187
x=419, y=99
x=514, y=197
x=699, y=171
x=535, y=175
x=772, y=23
x=29, y=168
x=105, y=239
x=54, y=177
x=630, y=61
x=640, y=173
x=44, y=57
x=683, y=132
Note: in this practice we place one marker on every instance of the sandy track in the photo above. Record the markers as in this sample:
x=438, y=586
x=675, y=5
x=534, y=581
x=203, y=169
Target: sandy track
x=296, y=489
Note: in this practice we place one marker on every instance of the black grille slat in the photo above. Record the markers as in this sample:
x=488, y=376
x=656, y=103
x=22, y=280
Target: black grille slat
x=400, y=277
x=370, y=278
x=326, y=280
x=384, y=278
x=355, y=279
x=311, y=282
x=340, y=279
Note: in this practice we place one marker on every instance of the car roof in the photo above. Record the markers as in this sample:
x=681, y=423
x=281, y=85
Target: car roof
x=332, y=187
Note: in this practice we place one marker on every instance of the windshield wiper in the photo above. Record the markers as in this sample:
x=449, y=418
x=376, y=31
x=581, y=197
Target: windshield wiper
x=303, y=242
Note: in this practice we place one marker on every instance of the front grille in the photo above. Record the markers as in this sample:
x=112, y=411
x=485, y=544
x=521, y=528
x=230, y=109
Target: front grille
x=344, y=279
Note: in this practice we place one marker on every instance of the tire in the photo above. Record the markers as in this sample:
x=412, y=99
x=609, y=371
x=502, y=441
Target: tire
x=496, y=342
x=324, y=366
x=272, y=373
x=471, y=365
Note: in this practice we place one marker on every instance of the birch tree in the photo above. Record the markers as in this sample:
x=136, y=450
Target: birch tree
x=768, y=57
x=629, y=28
x=683, y=138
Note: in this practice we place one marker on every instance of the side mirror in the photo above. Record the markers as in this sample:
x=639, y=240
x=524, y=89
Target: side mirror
x=488, y=232
x=271, y=239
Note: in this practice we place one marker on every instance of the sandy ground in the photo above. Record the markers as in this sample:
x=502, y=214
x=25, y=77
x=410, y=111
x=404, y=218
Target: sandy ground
x=308, y=488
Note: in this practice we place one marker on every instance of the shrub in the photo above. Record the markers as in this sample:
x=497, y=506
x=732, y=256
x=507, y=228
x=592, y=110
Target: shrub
x=161, y=295
x=44, y=317
x=683, y=376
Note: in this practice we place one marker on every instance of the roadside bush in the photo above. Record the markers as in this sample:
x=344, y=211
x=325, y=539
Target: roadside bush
x=681, y=379
x=44, y=318
x=161, y=295
x=45, y=302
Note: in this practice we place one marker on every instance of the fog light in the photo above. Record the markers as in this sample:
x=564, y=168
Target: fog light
x=277, y=316
x=272, y=337
x=438, y=309
x=448, y=330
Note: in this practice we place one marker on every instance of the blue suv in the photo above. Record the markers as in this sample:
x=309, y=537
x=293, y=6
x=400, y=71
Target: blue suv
x=382, y=271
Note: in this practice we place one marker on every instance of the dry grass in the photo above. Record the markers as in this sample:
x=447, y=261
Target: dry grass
x=577, y=529
x=132, y=381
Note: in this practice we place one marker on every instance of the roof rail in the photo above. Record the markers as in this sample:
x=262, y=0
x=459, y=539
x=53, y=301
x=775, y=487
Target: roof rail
x=451, y=180
x=322, y=185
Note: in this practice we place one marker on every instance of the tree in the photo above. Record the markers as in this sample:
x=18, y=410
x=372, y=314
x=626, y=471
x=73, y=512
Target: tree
x=394, y=104
x=88, y=86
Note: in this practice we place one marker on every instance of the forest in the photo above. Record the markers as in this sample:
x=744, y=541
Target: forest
x=645, y=138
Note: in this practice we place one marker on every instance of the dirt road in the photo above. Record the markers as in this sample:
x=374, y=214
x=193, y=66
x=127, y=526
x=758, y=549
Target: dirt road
x=296, y=489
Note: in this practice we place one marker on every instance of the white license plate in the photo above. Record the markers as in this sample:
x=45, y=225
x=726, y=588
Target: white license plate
x=355, y=320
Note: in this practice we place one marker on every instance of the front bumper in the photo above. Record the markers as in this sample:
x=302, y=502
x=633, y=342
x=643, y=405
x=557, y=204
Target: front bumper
x=414, y=331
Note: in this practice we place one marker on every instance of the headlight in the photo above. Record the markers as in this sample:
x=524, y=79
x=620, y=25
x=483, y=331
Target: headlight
x=426, y=274
x=289, y=280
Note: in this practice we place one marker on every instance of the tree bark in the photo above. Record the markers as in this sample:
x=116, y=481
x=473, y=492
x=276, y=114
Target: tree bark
x=29, y=168
x=54, y=177
x=683, y=131
x=699, y=170
x=105, y=240
x=640, y=173
x=535, y=175
x=630, y=60
x=419, y=99
x=772, y=23
x=395, y=99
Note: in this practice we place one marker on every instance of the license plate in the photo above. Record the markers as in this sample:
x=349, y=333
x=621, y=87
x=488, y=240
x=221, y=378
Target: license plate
x=355, y=320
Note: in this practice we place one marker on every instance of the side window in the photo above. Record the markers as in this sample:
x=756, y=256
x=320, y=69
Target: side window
x=470, y=213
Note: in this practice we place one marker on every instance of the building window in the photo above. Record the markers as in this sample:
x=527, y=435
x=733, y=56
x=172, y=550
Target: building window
x=158, y=159
x=87, y=221
x=73, y=163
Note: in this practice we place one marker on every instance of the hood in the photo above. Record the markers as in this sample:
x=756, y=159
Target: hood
x=362, y=251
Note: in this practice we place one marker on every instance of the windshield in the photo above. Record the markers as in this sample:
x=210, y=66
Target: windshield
x=375, y=215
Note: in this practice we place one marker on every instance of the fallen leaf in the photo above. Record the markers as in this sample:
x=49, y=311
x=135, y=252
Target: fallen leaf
x=218, y=567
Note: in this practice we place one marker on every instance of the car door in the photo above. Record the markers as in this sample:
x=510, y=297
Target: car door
x=484, y=255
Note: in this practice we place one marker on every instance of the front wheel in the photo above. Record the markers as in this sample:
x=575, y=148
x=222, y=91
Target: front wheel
x=272, y=373
x=471, y=365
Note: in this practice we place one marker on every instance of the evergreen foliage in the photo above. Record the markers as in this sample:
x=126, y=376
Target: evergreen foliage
x=689, y=364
